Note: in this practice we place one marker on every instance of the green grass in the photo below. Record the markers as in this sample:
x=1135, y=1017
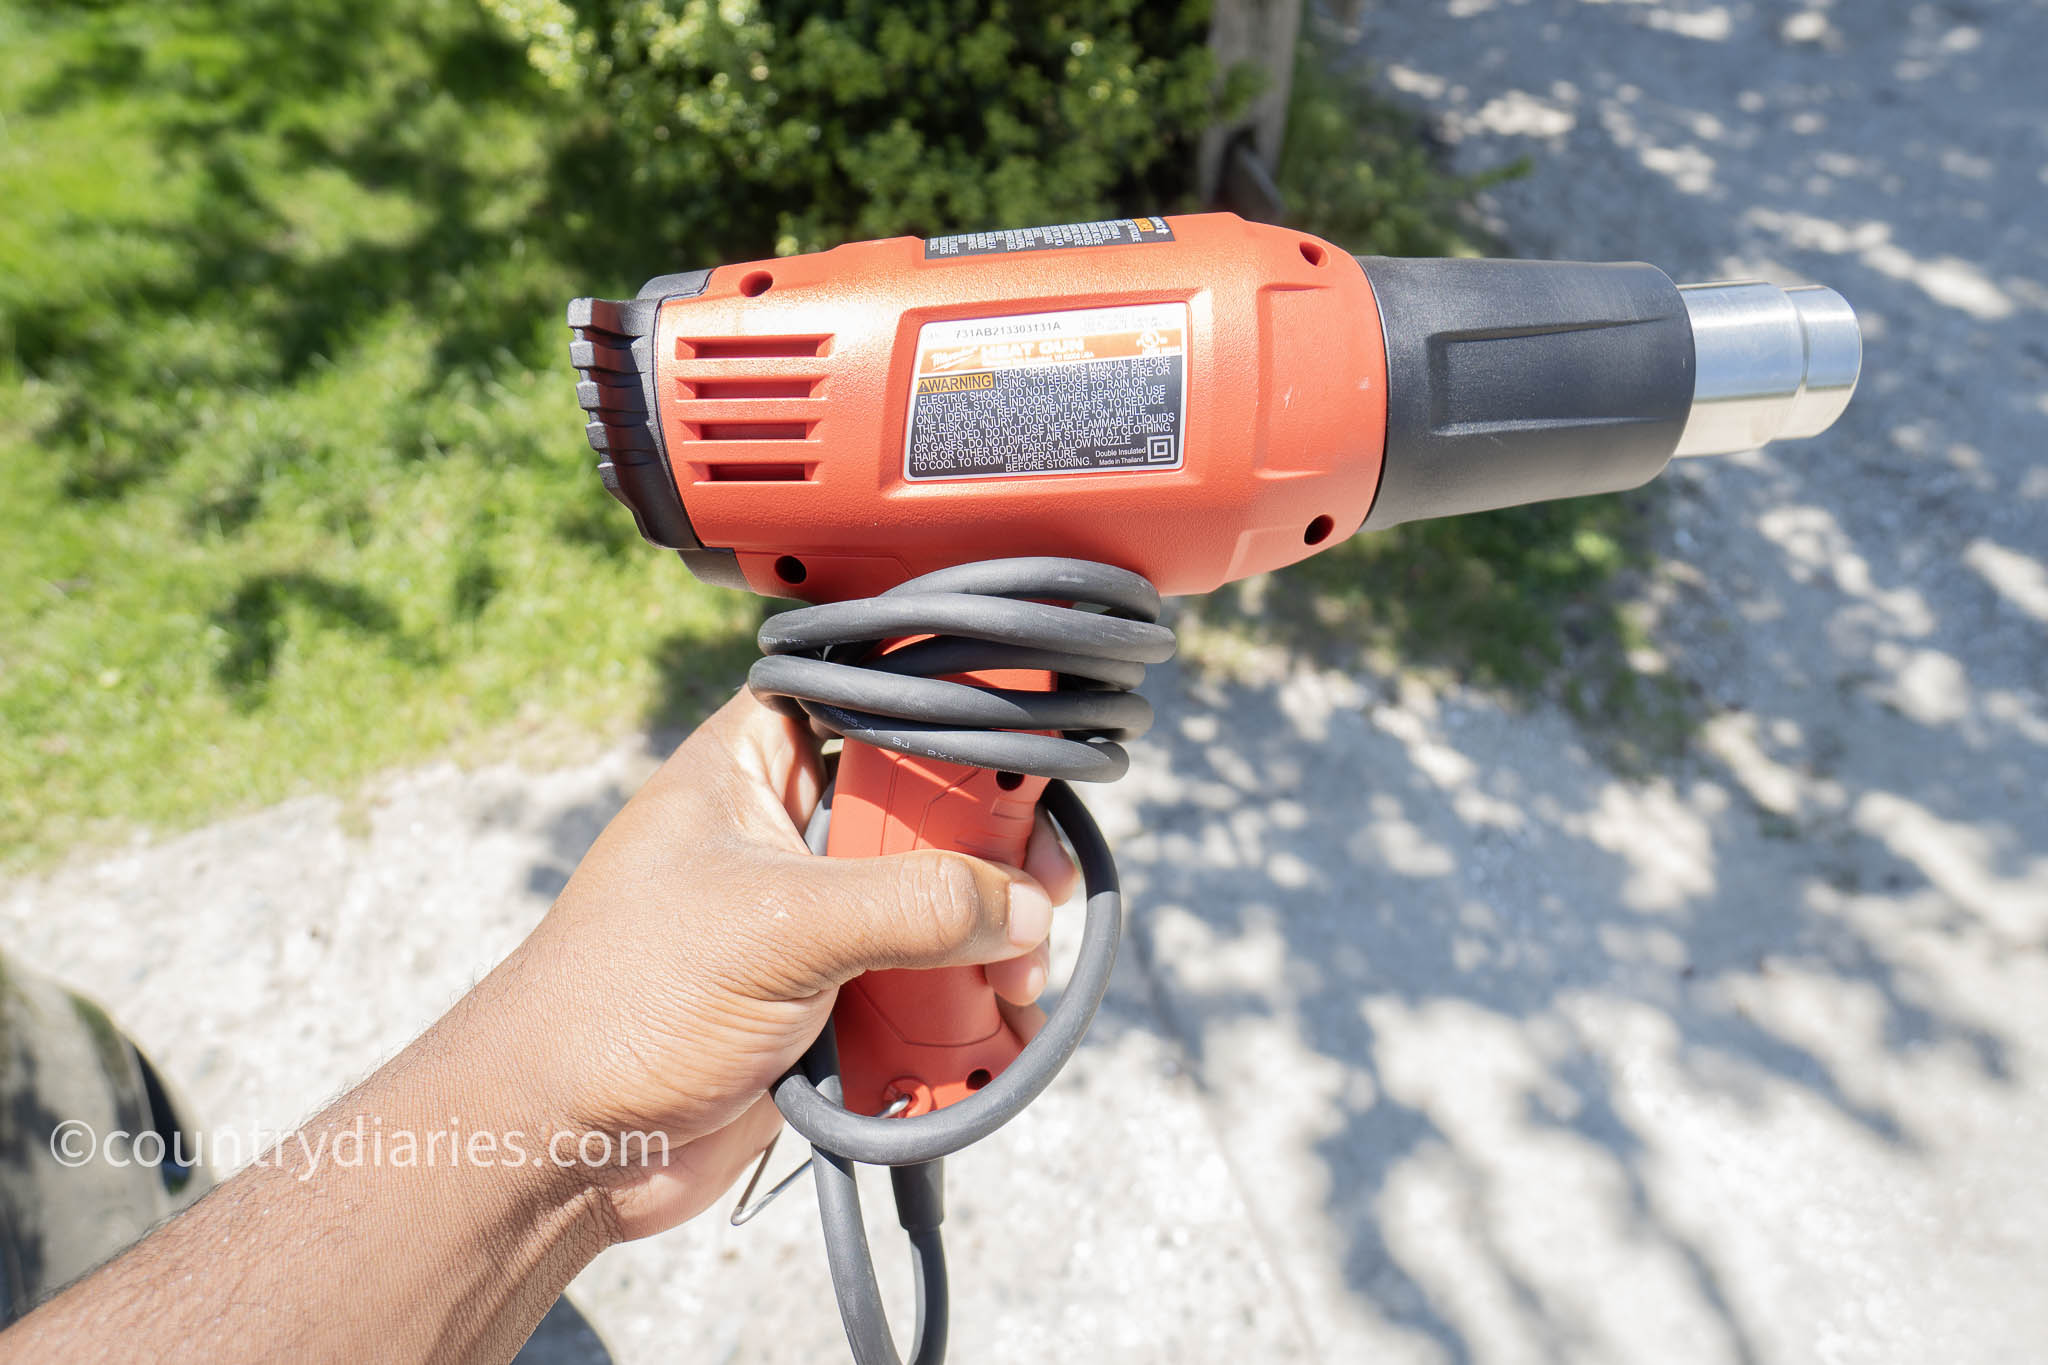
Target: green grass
x=294, y=486
x=293, y=470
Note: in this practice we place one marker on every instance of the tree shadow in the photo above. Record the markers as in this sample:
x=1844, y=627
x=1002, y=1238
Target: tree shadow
x=696, y=673
x=1300, y=873
x=256, y=108
x=1439, y=918
x=1469, y=1000
x=564, y=1337
x=256, y=622
x=1534, y=603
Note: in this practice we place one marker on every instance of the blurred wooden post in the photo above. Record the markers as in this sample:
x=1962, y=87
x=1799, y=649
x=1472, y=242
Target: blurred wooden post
x=1237, y=160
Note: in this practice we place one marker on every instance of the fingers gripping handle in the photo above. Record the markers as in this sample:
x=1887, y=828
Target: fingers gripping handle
x=944, y=803
x=966, y=743
x=931, y=1037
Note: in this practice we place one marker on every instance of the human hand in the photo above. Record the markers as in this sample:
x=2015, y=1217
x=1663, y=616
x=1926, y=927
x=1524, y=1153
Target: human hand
x=698, y=949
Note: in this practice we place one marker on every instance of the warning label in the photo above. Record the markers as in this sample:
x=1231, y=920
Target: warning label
x=954, y=383
x=1076, y=392
x=1109, y=232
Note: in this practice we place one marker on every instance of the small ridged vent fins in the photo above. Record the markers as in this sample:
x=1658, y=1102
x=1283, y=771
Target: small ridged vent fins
x=613, y=352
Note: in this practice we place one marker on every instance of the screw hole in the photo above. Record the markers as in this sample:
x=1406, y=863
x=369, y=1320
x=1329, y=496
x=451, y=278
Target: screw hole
x=1318, y=531
x=756, y=284
x=1312, y=253
x=978, y=1078
x=1009, y=782
x=790, y=569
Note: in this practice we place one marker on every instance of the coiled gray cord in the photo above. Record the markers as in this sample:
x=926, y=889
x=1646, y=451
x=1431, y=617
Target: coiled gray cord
x=822, y=664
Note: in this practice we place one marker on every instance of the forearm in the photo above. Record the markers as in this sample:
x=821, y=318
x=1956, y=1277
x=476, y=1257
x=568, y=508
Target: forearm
x=381, y=1255
x=689, y=962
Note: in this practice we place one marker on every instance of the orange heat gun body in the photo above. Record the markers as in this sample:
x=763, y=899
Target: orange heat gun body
x=1187, y=400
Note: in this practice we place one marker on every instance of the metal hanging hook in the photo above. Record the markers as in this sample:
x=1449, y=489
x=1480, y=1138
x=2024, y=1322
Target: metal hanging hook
x=743, y=1212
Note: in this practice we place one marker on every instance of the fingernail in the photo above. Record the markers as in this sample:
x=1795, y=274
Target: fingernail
x=1030, y=915
x=1034, y=983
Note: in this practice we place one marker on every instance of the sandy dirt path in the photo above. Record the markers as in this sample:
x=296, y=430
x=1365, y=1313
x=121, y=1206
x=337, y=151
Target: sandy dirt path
x=1436, y=1040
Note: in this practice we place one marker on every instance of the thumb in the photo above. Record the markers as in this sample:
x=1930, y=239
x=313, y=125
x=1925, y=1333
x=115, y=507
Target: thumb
x=929, y=908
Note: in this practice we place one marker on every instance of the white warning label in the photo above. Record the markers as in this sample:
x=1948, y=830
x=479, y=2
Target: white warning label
x=1076, y=392
x=1108, y=232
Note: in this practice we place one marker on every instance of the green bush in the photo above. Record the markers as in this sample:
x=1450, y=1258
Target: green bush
x=821, y=123
x=296, y=488
x=295, y=482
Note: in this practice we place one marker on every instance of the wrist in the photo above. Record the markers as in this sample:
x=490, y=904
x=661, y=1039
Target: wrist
x=525, y=1155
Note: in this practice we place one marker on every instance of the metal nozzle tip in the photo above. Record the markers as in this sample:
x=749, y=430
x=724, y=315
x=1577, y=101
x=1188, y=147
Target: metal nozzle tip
x=1771, y=363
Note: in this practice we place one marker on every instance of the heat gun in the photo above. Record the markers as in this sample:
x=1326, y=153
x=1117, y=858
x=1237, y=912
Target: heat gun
x=983, y=458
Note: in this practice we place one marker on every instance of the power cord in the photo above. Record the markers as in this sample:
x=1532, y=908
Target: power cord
x=823, y=663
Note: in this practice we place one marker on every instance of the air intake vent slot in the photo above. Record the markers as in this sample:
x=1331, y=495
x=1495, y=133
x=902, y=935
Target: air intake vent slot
x=751, y=348
x=757, y=472
x=749, y=431
x=715, y=389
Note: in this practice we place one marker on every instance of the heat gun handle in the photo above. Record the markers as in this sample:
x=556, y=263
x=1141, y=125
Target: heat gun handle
x=934, y=1037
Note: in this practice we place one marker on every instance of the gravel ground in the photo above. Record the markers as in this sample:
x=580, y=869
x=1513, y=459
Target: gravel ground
x=1438, y=1041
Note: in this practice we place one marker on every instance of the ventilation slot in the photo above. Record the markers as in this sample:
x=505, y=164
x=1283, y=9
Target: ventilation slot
x=756, y=473
x=751, y=348
x=750, y=388
x=749, y=431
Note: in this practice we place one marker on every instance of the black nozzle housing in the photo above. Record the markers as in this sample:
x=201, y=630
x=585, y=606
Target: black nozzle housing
x=1520, y=381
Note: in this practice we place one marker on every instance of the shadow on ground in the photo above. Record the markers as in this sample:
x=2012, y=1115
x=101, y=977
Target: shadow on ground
x=564, y=1337
x=1519, y=1058
x=1522, y=1059
x=1733, y=1055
